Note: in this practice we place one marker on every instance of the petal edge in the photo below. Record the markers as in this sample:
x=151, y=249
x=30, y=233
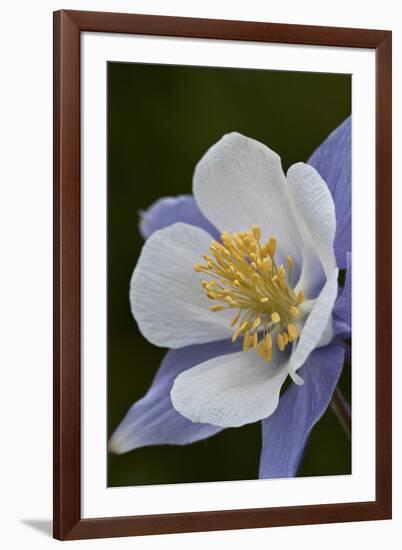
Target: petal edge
x=229, y=391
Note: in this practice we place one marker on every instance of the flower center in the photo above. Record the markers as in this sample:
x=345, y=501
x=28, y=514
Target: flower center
x=246, y=277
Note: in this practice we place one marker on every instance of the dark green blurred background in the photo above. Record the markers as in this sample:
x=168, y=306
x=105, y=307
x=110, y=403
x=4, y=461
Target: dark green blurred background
x=161, y=120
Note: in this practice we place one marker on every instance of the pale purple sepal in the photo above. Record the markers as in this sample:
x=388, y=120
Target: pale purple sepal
x=342, y=312
x=285, y=433
x=169, y=210
x=152, y=420
x=333, y=160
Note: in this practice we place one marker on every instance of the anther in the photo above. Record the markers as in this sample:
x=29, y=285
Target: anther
x=247, y=279
x=236, y=334
x=246, y=341
x=268, y=355
x=299, y=297
x=271, y=246
x=257, y=232
x=281, y=343
x=245, y=326
x=275, y=317
x=257, y=322
x=293, y=311
x=292, y=331
x=266, y=265
x=234, y=320
x=268, y=341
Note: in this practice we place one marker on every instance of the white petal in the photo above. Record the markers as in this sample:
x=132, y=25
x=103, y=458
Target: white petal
x=240, y=183
x=317, y=329
x=327, y=335
x=167, y=299
x=230, y=390
x=313, y=200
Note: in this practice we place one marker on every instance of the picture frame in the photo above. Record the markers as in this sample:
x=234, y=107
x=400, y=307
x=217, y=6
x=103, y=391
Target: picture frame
x=69, y=26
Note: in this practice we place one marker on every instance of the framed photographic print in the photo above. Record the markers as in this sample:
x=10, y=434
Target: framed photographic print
x=218, y=365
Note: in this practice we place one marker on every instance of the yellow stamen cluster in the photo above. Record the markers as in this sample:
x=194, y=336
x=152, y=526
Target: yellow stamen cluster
x=245, y=277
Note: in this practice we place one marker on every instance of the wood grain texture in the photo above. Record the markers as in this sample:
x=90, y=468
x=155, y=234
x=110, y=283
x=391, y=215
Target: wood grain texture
x=67, y=421
x=68, y=26
x=384, y=274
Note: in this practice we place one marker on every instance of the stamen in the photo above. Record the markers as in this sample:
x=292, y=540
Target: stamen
x=257, y=232
x=271, y=245
x=234, y=320
x=257, y=322
x=236, y=334
x=245, y=276
x=245, y=326
x=292, y=331
x=268, y=355
x=281, y=343
x=266, y=265
x=275, y=317
x=268, y=341
x=255, y=339
x=293, y=311
x=247, y=341
x=299, y=297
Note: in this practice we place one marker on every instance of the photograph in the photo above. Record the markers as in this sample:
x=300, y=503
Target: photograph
x=190, y=361
x=229, y=258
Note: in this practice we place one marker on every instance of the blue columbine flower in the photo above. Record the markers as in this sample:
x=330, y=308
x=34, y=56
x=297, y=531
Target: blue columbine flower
x=241, y=282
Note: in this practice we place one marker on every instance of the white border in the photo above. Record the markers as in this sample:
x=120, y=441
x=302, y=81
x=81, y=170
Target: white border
x=97, y=499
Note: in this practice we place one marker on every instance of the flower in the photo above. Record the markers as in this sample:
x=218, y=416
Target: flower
x=241, y=283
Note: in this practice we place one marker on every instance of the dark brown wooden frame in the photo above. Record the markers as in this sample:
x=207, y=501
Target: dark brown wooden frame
x=68, y=26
